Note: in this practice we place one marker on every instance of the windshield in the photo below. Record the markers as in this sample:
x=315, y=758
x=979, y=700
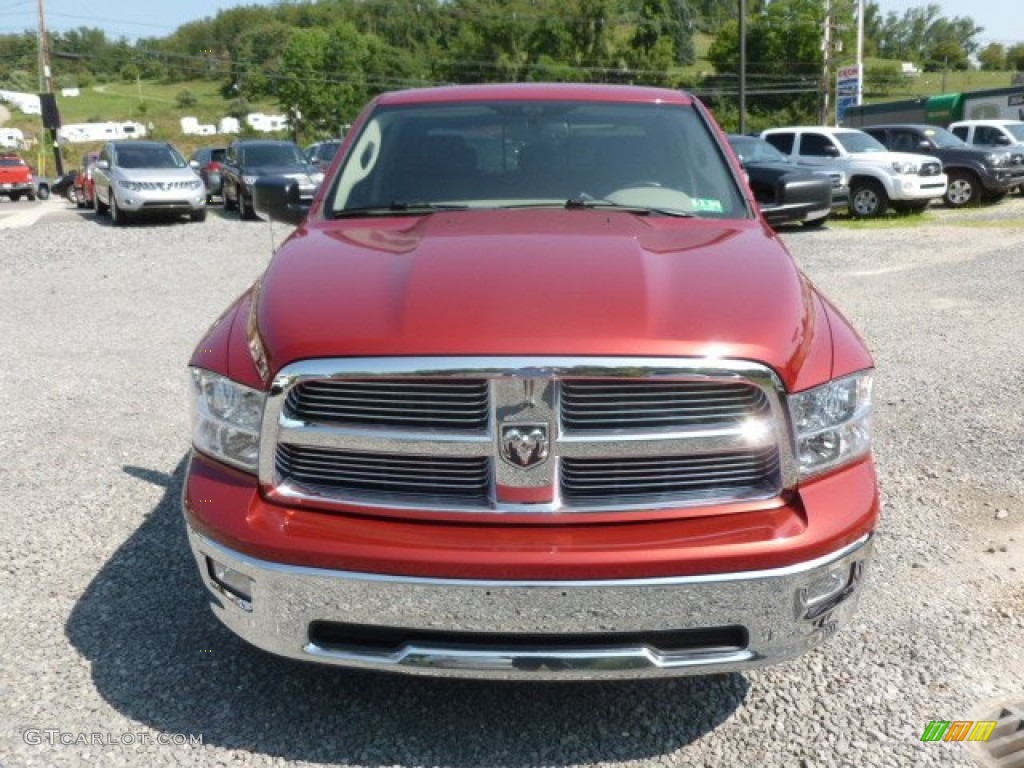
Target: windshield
x=752, y=150
x=272, y=154
x=858, y=141
x=537, y=153
x=1016, y=130
x=326, y=151
x=943, y=139
x=148, y=157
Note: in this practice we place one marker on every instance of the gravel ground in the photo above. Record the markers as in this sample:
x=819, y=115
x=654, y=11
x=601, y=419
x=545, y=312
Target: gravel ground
x=104, y=631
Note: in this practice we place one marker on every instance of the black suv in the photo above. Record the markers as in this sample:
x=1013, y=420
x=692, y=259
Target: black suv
x=249, y=159
x=975, y=174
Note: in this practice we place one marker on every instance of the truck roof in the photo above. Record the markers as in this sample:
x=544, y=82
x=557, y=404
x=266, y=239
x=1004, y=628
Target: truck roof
x=829, y=128
x=536, y=91
x=992, y=121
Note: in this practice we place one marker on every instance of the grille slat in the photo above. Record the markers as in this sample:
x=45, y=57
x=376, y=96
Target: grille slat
x=425, y=476
x=600, y=405
x=394, y=403
x=589, y=479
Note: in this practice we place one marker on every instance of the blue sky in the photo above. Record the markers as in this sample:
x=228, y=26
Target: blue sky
x=118, y=18
x=156, y=18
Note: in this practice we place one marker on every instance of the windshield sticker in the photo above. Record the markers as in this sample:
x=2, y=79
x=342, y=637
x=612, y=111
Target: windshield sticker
x=707, y=205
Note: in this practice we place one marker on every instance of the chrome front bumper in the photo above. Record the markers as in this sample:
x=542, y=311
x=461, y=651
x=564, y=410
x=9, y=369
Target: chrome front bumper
x=476, y=628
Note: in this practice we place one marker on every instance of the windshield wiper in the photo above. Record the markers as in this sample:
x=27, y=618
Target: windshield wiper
x=413, y=207
x=586, y=202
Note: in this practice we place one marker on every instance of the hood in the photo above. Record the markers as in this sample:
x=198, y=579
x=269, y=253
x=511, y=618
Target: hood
x=536, y=282
x=886, y=159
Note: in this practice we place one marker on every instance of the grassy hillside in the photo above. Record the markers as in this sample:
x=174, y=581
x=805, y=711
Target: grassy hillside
x=934, y=83
x=146, y=102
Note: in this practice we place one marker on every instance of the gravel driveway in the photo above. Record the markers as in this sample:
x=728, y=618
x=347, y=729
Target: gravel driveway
x=106, y=641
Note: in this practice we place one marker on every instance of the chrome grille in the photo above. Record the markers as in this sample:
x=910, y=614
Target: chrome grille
x=166, y=185
x=423, y=477
x=417, y=403
x=604, y=405
x=525, y=435
x=671, y=477
x=930, y=169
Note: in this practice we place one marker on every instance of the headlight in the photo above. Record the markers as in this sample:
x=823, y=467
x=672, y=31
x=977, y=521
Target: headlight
x=134, y=186
x=226, y=418
x=832, y=423
x=997, y=159
x=905, y=166
x=316, y=178
x=249, y=180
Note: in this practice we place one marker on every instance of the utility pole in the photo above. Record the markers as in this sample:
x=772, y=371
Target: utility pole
x=48, y=105
x=743, y=66
x=860, y=52
x=826, y=58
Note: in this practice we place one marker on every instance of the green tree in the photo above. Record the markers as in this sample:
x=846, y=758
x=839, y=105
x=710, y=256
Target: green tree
x=1015, y=57
x=992, y=57
x=322, y=81
x=880, y=79
x=185, y=98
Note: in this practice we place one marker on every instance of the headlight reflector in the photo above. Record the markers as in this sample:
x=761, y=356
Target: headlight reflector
x=904, y=166
x=832, y=423
x=226, y=419
x=134, y=186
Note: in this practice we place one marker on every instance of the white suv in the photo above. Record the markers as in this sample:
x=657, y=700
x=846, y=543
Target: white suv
x=878, y=178
x=991, y=133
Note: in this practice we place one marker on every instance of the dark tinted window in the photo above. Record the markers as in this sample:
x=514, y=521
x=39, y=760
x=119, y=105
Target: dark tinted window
x=814, y=144
x=271, y=155
x=781, y=141
x=904, y=141
x=961, y=132
x=148, y=157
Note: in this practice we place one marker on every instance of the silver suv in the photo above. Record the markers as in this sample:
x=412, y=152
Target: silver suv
x=134, y=177
x=878, y=178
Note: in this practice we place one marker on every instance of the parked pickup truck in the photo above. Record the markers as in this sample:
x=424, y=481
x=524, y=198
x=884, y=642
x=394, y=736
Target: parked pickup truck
x=532, y=390
x=15, y=178
x=878, y=179
x=976, y=174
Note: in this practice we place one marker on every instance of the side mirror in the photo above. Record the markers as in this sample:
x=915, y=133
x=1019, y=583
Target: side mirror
x=277, y=198
x=103, y=165
x=193, y=164
x=1003, y=140
x=924, y=145
x=830, y=150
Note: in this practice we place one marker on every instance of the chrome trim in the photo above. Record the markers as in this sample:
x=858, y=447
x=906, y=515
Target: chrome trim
x=525, y=389
x=771, y=605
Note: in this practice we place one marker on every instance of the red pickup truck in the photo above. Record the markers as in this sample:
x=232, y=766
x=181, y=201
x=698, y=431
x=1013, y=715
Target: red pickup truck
x=531, y=391
x=15, y=178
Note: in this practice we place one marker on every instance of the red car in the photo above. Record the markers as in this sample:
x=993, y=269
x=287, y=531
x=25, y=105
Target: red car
x=15, y=178
x=82, y=190
x=532, y=390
